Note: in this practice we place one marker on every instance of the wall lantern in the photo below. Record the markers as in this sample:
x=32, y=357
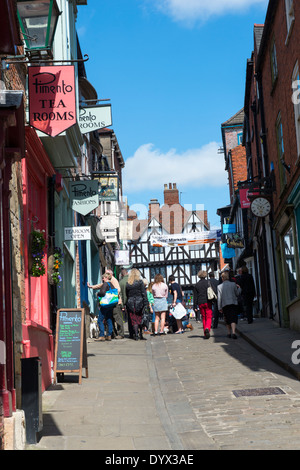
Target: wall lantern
x=38, y=20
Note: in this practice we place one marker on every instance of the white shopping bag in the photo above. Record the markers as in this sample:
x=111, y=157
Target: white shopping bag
x=179, y=311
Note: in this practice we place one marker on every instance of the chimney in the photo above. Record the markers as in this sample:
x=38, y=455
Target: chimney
x=171, y=194
x=154, y=207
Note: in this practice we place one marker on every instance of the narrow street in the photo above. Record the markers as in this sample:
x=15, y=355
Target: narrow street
x=174, y=392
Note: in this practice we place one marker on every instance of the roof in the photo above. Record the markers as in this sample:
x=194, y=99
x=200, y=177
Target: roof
x=237, y=119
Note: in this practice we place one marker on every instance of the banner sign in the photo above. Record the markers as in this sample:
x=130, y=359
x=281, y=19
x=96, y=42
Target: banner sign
x=84, y=196
x=77, y=233
x=52, y=98
x=94, y=118
x=196, y=238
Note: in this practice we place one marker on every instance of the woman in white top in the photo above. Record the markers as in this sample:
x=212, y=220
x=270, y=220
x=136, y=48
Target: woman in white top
x=160, y=293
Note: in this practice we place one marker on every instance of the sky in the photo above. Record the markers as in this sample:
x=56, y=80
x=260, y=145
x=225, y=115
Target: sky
x=174, y=71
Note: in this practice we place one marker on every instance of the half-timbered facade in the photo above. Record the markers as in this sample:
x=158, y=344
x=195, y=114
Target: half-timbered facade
x=184, y=262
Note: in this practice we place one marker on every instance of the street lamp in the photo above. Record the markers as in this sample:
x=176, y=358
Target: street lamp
x=38, y=20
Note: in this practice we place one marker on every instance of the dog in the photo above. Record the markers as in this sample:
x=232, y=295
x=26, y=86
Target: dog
x=94, y=328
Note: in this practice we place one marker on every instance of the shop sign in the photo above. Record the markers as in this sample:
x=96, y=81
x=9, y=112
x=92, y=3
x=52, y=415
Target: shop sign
x=122, y=257
x=77, y=233
x=245, y=195
x=108, y=188
x=84, y=196
x=94, y=118
x=52, y=98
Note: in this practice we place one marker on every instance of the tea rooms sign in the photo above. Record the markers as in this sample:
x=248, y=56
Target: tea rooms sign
x=94, y=118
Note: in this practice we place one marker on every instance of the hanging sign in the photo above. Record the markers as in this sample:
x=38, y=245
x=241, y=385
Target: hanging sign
x=84, y=196
x=197, y=238
x=52, y=98
x=108, y=188
x=77, y=233
x=122, y=257
x=94, y=118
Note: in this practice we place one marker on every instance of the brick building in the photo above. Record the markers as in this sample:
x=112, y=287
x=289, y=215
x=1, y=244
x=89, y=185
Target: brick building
x=277, y=68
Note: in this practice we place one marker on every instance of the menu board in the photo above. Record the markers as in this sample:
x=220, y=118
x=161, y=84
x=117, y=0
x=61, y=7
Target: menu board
x=70, y=348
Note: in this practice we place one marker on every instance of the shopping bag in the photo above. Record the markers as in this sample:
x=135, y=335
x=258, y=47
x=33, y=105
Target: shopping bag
x=179, y=312
x=110, y=299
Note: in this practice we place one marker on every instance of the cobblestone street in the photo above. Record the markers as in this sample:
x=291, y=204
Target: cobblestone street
x=174, y=392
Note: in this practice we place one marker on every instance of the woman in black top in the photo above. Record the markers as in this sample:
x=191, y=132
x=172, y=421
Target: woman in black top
x=177, y=298
x=136, y=301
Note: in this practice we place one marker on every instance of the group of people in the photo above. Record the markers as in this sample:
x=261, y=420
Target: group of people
x=146, y=303
x=233, y=297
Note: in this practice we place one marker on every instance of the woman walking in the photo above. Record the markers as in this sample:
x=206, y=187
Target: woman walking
x=228, y=293
x=202, y=303
x=160, y=294
x=136, y=302
x=105, y=313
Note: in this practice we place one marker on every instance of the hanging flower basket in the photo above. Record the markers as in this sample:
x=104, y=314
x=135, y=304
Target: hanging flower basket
x=54, y=265
x=37, y=244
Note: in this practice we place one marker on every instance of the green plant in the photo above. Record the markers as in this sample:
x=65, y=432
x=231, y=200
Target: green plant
x=58, y=256
x=38, y=244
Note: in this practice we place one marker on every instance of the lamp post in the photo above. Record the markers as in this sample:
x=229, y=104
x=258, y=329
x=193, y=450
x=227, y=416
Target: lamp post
x=38, y=20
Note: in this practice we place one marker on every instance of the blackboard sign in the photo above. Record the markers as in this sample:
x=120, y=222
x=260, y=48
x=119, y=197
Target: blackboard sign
x=70, y=348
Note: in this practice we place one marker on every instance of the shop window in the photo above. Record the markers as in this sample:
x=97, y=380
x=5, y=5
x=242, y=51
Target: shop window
x=290, y=263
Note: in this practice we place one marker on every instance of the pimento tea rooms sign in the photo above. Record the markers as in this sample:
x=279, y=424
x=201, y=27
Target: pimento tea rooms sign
x=52, y=98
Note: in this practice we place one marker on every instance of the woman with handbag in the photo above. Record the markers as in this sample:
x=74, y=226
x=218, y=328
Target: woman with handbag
x=202, y=302
x=106, y=311
x=137, y=302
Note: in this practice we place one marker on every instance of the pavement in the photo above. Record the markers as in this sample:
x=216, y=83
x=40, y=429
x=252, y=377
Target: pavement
x=156, y=394
x=277, y=343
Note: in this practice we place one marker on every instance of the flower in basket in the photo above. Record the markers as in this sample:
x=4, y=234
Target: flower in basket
x=38, y=244
x=58, y=256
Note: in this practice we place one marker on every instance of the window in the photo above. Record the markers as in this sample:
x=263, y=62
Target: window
x=280, y=149
x=290, y=264
x=240, y=138
x=158, y=270
x=274, y=67
x=296, y=102
x=290, y=16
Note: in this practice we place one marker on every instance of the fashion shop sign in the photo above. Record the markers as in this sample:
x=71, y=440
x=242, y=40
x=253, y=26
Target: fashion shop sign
x=52, y=98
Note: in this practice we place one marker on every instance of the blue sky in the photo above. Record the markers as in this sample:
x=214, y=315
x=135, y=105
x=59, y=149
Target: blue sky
x=174, y=71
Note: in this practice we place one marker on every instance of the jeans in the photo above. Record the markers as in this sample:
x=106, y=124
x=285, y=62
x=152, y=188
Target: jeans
x=105, y=314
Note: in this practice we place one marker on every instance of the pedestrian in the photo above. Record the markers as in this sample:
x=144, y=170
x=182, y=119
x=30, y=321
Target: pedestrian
x=136, y=302
x=123, y=282
x=214, y=285
x=246, y=282
x=228, y=293
x=150, y=303
x=118, y=320
x=160, y=294
x=105, y=313
x=202, y=303
x=176, y=292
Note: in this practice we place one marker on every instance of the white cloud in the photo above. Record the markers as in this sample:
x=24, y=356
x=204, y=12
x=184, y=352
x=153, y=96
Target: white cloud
x=150, y=169
x=191, y=11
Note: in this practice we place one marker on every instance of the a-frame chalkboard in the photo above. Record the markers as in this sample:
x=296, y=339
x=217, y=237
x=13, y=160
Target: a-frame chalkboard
x=70, y=347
